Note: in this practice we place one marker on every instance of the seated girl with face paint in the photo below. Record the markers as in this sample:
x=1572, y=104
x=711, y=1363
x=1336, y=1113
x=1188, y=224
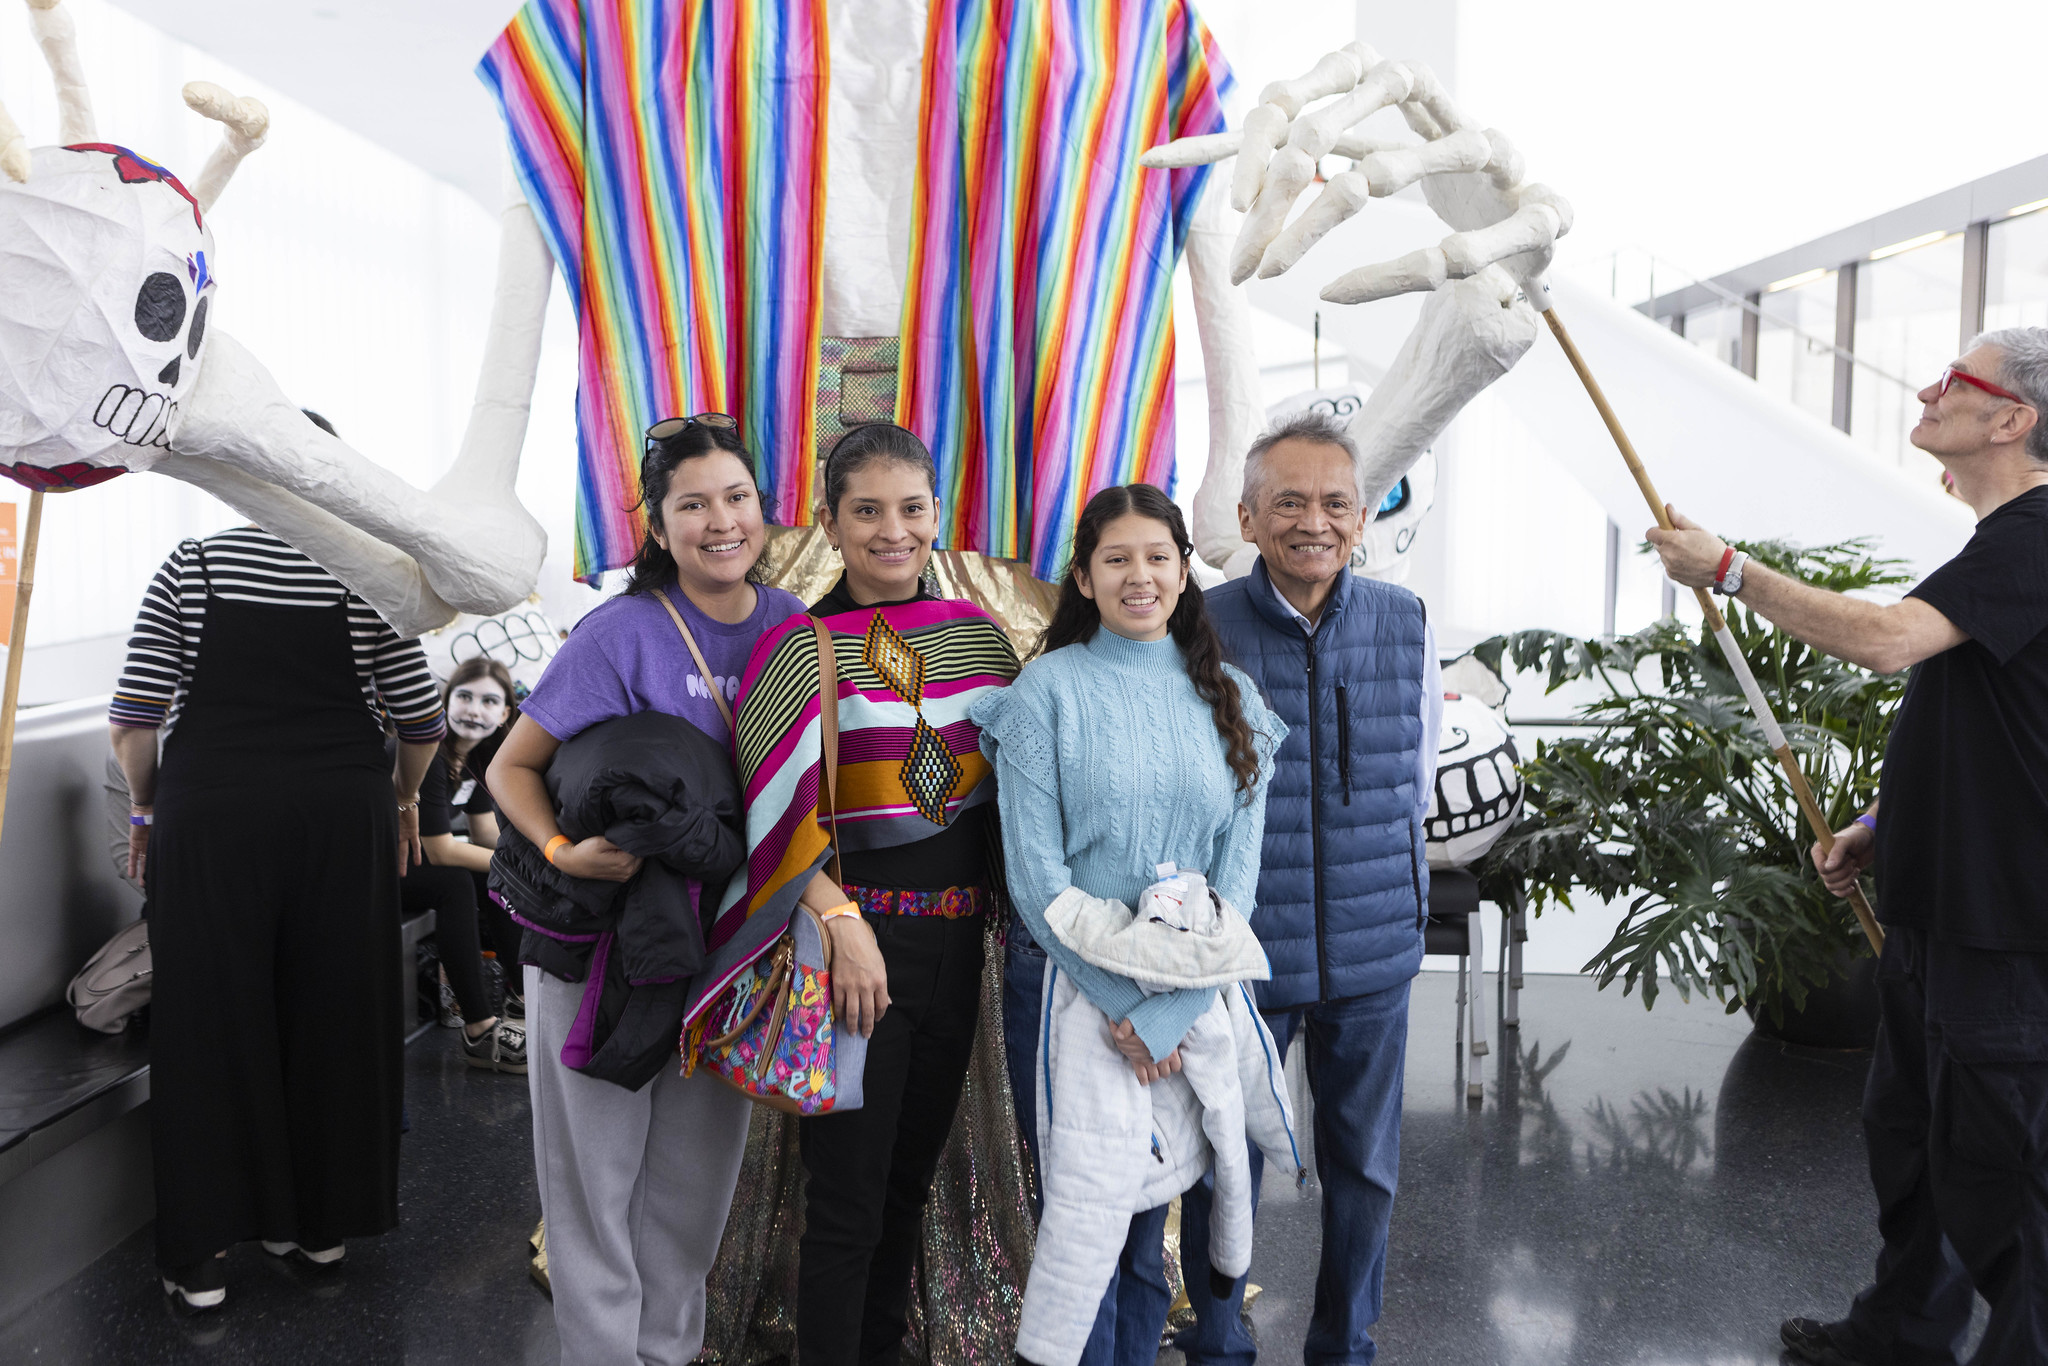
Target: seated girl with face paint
x=452, y=880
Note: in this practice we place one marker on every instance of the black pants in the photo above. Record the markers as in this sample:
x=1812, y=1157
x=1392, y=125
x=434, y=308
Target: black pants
x=275, y=1055
x=463, y=916
x=1956, y=1118
x=870, y=1170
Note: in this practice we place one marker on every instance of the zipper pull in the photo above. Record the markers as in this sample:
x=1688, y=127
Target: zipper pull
x=1157, y=1156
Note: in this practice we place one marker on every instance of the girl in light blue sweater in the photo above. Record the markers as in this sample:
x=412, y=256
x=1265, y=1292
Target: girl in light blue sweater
x=1125, y=744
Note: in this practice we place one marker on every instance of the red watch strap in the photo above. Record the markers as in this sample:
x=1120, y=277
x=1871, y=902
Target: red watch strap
x=1727, y=558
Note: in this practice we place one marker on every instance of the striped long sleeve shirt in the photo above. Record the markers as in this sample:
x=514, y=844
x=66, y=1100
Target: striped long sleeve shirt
x=250, y=565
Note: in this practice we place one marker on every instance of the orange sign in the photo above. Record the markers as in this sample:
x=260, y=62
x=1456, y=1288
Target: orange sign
x=10, y=568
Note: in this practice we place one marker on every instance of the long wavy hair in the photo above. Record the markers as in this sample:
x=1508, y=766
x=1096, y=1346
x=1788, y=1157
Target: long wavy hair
x=654, y=566
x=1077, y=618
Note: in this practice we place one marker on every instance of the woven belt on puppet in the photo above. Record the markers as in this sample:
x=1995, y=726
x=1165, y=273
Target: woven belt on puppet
x=951, y=903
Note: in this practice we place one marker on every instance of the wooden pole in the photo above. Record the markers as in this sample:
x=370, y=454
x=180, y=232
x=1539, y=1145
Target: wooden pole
x=1802, y=791
x=24, y=587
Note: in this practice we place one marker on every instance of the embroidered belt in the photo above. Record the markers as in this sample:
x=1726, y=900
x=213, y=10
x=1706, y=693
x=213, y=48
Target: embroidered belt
x=951, y=903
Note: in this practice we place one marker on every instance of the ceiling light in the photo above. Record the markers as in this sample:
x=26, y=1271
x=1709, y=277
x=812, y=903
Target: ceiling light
x=1924, y=239
x=1804, y=277
x=2027, y=208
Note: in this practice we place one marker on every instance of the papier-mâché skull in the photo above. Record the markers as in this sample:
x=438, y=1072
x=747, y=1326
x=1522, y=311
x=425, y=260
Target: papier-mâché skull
x=103, y=321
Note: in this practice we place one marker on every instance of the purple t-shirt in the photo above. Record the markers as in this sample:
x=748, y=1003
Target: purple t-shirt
x=626, y=656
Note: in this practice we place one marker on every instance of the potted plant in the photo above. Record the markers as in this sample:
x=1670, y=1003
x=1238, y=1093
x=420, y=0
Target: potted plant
x=1675, y=803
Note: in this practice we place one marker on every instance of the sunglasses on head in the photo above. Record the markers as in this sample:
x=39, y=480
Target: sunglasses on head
x=1952, y=375
x=670, y=428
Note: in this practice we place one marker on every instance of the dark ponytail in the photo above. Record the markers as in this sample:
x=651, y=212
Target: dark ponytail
x=654, y=566
x=1077, y=618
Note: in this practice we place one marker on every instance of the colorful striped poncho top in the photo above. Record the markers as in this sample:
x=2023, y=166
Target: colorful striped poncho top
x=910, y=762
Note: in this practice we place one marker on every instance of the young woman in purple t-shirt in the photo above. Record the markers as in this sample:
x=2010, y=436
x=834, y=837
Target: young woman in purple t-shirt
x=635, y=1185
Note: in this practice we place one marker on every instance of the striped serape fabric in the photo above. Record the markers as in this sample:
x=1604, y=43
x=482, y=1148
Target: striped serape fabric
x=1038, y=343
x=909, y=759
x=674, y=153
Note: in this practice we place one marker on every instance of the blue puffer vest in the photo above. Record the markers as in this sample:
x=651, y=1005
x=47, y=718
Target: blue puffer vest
x=1343, y=880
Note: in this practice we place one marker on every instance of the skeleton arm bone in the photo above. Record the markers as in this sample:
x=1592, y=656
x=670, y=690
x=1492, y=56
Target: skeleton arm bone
x=245, y=122
x=416, y=557
x=1230, y=366
x=382, y=575
x=58, y=38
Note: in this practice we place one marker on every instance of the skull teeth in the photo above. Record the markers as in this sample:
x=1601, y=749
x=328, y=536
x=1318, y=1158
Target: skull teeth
x=137, y=416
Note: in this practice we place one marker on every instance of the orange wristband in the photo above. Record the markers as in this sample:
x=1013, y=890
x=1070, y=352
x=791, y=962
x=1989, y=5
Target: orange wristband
x=834, y=912
x=554, y=844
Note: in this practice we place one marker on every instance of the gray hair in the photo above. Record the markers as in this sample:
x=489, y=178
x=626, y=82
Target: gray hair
x=2023, y=368
x=1307, y=425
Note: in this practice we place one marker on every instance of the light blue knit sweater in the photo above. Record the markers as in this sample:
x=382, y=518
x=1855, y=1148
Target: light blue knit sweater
x=1108, y=764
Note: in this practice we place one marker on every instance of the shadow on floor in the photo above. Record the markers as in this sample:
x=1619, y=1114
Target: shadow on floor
x=1637, y=1186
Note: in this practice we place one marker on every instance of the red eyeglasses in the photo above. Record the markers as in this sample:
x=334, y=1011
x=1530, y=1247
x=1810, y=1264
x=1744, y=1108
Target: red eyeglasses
x=1951, y=375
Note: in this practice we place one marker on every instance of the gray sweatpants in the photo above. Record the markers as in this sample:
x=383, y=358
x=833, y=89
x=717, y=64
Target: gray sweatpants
x=635, y=1186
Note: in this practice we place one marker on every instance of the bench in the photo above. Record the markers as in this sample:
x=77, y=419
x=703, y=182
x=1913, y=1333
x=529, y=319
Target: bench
x=74, y=1118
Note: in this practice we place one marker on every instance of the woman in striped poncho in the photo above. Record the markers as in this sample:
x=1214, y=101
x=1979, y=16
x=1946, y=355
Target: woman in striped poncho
x=916, y=807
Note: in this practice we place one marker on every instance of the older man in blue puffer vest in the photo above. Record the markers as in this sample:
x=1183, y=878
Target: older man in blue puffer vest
x=1350, y=666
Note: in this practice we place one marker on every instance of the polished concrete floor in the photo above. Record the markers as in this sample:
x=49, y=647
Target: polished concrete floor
x=1636, y=1187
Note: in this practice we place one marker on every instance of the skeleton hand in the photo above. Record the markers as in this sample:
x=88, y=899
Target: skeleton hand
x=1471, y=177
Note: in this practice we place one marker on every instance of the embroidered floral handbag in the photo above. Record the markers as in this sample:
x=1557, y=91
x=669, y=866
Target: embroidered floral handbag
x=771, y=1034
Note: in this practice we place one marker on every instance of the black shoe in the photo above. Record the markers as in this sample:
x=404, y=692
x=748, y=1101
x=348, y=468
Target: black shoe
x=197, y=1288
x=1817, y=1343
x=515, y=1006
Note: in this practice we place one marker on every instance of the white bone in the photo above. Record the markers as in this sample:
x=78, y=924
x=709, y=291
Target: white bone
x=13, y=148
x=1288, y=174
x=416, y=557
x=1386, y=84
x=1344, y=196
x=1418, y=270
x=1333, y=75
x=245, y=123
x=58, y=38
x=1230, y=370
x=1204, y=149
x=1395, y=169
x=1264, y=130
x=1429, y=93
x=1358, y=145
x=1504, y=166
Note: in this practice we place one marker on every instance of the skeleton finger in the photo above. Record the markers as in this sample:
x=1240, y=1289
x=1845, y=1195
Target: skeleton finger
x=245, y=123
x=1530, y=232
x=1264, y=129
x=1287, y=175
x=1389, y=83
x=58, y=38
x=1204, y=149
x=1335, y=74
x=1379, y=175
x=1428, y=107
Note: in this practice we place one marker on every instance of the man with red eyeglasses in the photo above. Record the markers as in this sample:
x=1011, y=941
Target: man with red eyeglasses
x=1955, y=1112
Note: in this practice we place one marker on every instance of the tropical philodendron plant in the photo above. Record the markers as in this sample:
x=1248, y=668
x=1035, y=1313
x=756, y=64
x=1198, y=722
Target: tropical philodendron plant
x=1675, y=802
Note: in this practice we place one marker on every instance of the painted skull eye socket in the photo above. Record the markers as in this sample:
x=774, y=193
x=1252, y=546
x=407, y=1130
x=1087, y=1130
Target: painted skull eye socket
x=160, y=307
x=198, y=329
x=1396, y=499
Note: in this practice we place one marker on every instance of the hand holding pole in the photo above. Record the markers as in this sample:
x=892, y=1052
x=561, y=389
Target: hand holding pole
x=1774, y=734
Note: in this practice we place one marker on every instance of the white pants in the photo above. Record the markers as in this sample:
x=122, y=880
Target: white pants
x=635, y=1186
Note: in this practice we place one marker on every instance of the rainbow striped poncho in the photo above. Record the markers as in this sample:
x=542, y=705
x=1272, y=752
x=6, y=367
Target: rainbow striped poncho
x=674, y=153
x=909, y=759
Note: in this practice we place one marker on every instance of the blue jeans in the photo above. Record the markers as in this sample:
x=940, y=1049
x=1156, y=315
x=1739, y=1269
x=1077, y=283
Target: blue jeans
x=1134, y=1306
x=1356, y=1051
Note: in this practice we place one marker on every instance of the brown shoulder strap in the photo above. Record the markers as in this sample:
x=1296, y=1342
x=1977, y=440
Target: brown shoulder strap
x=828, y=723
x=710, y=681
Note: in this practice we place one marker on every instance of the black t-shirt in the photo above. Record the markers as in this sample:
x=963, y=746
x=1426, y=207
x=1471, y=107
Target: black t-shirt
x=957, y=856
x=1962, y=819
x=443, y=794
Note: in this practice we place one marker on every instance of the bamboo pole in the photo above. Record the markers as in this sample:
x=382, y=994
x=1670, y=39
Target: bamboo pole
x=24, y=587
x=1774, y=734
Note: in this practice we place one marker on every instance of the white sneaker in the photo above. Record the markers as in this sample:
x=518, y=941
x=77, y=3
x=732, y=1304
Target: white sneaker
x=326, y=1256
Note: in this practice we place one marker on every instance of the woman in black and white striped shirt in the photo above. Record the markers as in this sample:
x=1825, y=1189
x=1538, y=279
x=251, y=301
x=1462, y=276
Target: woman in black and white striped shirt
x=272, y=841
